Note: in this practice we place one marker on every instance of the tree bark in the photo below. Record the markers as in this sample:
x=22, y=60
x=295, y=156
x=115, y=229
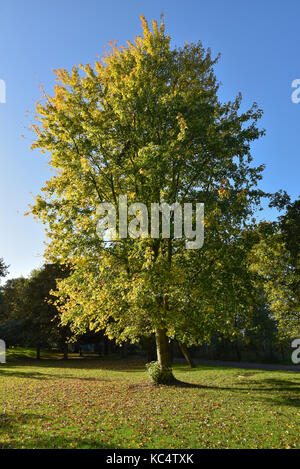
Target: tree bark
x=106, y=346
x=124, y=350
x=65, y=351
x=38, y=352
x=163, y=349
x=282, y=352
x=237, y=350
x=186, y=354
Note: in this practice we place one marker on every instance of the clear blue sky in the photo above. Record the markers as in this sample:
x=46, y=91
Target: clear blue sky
x=259, y=42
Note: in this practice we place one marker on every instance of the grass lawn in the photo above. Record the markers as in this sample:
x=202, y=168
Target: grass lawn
x=109, y=403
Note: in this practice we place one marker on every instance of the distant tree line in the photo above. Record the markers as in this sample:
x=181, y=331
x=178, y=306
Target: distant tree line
x=29, y=318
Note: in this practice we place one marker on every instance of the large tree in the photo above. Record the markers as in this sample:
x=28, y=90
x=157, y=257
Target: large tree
x=146, y=122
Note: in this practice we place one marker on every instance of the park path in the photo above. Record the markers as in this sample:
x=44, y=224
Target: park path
x=246, y=365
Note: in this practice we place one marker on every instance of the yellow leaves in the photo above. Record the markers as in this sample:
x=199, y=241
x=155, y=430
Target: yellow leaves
x=89, y=71
x=181, y=122
x=152, y=41
x=62, y=75
x=223, y=193
x=40, y=203
x=155, y=27
x=99, y=67
x=59, y=96
x=35, y=128
x=242, y=194
x=146, y=30
x=182, y=126
x=85, y=164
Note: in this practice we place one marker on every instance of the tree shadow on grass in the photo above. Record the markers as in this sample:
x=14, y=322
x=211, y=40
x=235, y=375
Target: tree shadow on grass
x=59, y=442
x=9, y=421
x=274, y=391
x=46, y=376
x=265, y=385
x=279, y=390
x=14, y=423
x=11, y=369
x=136, y=364
x=23, y=374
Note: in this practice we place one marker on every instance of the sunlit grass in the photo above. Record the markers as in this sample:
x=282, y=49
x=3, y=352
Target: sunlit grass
x=104, y=403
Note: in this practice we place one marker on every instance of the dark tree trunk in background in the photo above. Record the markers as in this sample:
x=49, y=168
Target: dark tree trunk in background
x=237, y=350
x=186, y=354
x=282, y=352
x=38, y=352
x=105, y=339
x=171, y=351
x=124, y=350
x=99, y=349
x=66, y=351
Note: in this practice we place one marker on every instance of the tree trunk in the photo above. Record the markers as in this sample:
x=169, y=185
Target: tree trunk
x=237, y=350
x=124, y=350
x=38, y=352
x=164, y=358
x=163, y=349
x=106, y=346
x=65, y=351
x=282, y=353
x=186, y=354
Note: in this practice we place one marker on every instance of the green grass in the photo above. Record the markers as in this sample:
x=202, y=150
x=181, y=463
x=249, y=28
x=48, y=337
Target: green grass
x=100, y=403
x=14, y=353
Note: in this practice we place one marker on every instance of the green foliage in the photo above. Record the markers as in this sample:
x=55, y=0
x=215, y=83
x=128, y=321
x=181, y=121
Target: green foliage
x=27, y=314
x=3, y=268
x=290, y=228
x=276, y=262
x=15, y=354
x=159, y=376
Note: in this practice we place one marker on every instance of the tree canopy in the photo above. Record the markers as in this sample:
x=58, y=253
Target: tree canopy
x=146, y=122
